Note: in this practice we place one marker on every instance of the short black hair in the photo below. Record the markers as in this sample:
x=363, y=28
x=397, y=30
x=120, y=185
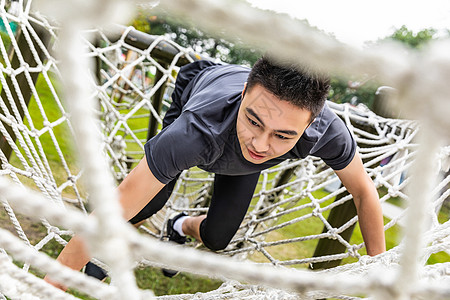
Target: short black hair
x=292, y=83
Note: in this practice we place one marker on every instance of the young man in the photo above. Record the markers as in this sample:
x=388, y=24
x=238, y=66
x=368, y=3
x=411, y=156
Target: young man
x=235, y=122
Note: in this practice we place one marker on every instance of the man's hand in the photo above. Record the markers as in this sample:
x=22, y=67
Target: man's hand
x=55, y=284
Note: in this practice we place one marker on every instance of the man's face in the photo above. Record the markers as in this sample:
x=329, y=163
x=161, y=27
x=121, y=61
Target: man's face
x=268, y=127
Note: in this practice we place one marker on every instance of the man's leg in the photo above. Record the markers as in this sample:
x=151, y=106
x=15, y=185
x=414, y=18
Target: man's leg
x=156, y=204
x=150, y=209
x=230, y=201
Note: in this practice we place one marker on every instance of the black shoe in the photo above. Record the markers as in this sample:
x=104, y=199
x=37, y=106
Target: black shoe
x=174, y=236
x=95, y=271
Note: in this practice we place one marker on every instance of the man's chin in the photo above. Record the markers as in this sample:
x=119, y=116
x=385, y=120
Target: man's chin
x=257, y=162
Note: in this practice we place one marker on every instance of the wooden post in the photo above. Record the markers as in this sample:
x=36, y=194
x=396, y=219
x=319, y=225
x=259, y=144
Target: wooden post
x=383, y=95
x=339, y=215
x=284, y=177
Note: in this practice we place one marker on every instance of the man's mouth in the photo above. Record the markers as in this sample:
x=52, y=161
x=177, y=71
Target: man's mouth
x=255, y=155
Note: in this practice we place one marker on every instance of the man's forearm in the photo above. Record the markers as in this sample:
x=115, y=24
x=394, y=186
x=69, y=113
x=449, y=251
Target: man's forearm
x=371, y=223
x=74, y=255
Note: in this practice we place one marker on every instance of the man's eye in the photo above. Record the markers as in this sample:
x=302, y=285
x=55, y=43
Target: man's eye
x=281, y=137
x=252, y=122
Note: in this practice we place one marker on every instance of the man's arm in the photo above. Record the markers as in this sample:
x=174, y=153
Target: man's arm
x=135, y=191
x=360, y=185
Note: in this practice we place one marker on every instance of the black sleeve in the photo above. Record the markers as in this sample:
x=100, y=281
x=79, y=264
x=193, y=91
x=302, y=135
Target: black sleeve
x=183, y=87
x=337, y=147
x=187, y=73
x=184, y=144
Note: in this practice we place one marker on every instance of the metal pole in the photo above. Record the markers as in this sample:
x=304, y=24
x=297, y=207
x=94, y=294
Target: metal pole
x=163, y=51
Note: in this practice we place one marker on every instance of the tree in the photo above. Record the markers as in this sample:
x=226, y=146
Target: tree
x=354, y=90
x=187, y=35
x=362, y=90
x=414, y=40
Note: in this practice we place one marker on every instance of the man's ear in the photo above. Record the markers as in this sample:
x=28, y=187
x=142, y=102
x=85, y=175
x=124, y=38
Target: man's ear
x=310, y=123
x=244, y=90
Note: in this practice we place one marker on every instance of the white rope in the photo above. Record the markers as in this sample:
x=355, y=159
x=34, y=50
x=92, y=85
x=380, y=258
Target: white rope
x=19, y=284
x=397, y=140
x=190, y=259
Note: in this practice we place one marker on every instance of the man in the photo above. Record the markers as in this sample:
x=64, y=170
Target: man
x=235, y=122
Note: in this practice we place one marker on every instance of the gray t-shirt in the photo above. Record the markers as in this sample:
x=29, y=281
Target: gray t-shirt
x=200, y=128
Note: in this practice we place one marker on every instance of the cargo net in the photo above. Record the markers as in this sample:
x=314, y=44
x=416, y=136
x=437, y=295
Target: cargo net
x=46, y=195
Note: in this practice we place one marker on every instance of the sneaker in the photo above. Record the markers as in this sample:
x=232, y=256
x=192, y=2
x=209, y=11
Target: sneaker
x=95, y=271
x=174, y=236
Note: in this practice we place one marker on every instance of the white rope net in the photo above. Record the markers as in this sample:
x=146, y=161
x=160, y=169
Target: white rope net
x=52, y=191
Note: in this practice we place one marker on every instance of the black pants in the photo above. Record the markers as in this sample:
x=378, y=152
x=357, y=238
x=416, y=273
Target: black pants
x=229, y=203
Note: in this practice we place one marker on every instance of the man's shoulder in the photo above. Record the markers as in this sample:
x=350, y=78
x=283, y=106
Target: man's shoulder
x=321, y=125
x=223, y=75
x=327, y=137
x=213, y=68
x=216, y=94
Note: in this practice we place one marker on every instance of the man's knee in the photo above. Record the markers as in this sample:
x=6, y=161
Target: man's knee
x=212, y=239
x=214, y=244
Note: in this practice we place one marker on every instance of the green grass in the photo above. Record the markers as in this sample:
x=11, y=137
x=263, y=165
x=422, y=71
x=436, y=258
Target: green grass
x=314, y=225
x=309, y=226
x=63, y=136
x=152, y=278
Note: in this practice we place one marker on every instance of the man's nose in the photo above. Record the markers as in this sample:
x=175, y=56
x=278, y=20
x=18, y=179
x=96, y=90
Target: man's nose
x=261, y=143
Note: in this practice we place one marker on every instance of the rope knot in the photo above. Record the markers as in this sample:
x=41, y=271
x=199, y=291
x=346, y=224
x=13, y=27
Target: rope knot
x=9, y=71
x=364, y=260
x=258, y=247
x=393, y=191
x=71, y=178
x=401, y=145
x=353, y=251
x=34, y=132
x=333, y=233
x=53, y=230
x=316, y=212
x=391, y=138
